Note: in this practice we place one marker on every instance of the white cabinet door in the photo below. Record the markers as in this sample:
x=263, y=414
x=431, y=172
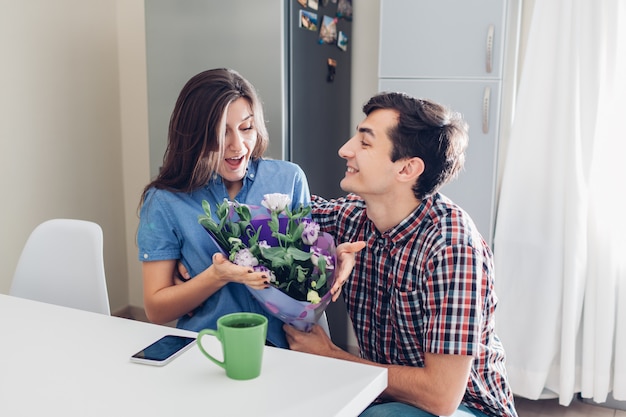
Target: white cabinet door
x=479, y=102
x=441, y=38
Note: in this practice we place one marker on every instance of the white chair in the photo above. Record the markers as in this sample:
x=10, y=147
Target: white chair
x=62, y=263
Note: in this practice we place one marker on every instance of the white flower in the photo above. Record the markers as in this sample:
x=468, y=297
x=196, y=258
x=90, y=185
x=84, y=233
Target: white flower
x=276, y=202
x=310, y=232
x=313, y=297
x=245, y=258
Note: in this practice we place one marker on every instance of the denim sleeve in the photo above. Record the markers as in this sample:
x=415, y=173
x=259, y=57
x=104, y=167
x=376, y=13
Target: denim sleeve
x=156, y=237
x=301, y=193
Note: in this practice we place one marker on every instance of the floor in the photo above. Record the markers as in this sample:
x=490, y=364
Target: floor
x=525, y=407
x=551, y=408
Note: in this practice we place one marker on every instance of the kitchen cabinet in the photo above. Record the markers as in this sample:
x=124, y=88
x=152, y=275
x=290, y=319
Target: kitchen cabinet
x=453, y=52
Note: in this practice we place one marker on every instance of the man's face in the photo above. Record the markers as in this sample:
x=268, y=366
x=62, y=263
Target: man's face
x=370, y=171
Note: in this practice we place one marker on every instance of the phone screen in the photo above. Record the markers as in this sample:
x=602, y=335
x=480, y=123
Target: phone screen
x=163, y=350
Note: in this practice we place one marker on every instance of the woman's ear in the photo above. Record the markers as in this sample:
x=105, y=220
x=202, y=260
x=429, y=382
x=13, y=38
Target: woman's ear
x=411, y=169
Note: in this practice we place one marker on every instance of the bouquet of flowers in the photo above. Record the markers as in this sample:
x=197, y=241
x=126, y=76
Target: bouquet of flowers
x=287, y=245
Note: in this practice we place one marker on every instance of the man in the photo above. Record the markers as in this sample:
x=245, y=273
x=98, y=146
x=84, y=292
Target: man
x=421, y=296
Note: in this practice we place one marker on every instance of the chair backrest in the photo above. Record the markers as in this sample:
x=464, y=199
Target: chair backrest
x=62, y=263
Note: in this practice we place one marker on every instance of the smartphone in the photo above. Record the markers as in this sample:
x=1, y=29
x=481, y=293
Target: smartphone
x=164, y=350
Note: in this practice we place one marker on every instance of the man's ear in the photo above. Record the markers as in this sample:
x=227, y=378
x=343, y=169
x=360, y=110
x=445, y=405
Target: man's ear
x=411, y=169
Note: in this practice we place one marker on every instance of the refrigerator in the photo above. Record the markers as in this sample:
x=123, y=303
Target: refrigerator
x=287, y=50
x=464, y=67
x=295, y=52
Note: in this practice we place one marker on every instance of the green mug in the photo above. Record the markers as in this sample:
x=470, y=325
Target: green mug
x=242, y=336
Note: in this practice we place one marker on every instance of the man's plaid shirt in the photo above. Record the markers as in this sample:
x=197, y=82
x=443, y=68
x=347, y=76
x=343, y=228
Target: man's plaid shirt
x=426, y=285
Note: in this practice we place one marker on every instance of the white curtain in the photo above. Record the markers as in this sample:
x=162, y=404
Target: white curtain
x=560, y=241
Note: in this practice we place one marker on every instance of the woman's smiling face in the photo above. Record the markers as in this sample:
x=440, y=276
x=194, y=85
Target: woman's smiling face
x=239, y=140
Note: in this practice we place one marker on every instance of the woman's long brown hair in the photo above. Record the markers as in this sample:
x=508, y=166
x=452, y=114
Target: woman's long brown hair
x=195, y=144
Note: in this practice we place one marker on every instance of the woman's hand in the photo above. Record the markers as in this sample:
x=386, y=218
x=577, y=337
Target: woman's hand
x=226, y=271
x=230, y=272
x=346, y=259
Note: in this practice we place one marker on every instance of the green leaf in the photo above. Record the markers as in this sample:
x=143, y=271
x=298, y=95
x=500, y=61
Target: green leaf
x=321, y=264
x=206, y=207
x=297, y=254
x=223, y=211
x=277, y=256
x=302, y=273
x=321, y=281
x=296, y=234
x=244, y=213
x=253, y=237
x=208, y=223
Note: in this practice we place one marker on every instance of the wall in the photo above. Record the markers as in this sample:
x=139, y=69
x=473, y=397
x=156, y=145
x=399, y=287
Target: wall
x=60, y=142
x=73, y=109
x=364, y=42
x=134, y=125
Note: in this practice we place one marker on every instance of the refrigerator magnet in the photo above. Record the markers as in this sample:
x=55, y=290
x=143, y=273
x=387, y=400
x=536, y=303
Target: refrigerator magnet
x=344, y=9
x=308, y=20
x=342, y=41
x=328, y=30
x=332, y=68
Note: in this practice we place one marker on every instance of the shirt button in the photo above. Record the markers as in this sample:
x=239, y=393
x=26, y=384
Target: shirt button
x=145, y=256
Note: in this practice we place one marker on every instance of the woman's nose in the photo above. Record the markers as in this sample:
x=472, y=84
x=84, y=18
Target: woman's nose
x=235, y=142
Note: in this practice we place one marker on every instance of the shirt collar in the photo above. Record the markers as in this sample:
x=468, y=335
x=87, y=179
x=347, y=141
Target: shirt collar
x=407, y=227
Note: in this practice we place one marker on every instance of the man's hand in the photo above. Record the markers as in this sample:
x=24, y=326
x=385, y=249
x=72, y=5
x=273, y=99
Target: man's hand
x=346, y=259
x=316, y=341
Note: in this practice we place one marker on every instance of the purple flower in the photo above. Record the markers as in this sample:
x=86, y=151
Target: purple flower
x=317, y=253
x=311, y=231
x=245, y=258
x=267, y=271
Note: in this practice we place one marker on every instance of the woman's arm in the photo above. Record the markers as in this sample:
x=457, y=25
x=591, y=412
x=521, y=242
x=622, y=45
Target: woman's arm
x=165, y=301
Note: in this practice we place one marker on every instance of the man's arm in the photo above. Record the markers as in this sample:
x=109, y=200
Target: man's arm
x=438, y=387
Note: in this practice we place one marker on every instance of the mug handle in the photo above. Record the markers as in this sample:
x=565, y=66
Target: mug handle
x=207, y=354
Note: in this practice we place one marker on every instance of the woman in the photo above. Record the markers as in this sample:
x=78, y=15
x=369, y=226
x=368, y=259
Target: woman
x=216, y=140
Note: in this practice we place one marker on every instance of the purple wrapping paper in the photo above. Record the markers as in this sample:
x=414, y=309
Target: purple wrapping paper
x=300, y=314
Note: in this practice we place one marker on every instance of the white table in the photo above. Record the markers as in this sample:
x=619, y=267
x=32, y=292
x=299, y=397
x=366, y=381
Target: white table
x=59, y=361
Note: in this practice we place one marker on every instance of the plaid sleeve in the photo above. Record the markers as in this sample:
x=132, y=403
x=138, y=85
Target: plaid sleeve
x=341, y=217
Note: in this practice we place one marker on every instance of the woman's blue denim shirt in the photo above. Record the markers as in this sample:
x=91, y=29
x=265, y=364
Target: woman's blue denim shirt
x=169, y=229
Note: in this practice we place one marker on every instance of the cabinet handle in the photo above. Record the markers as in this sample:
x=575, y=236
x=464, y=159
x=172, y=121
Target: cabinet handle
x=486, y=104
x=489, y=63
